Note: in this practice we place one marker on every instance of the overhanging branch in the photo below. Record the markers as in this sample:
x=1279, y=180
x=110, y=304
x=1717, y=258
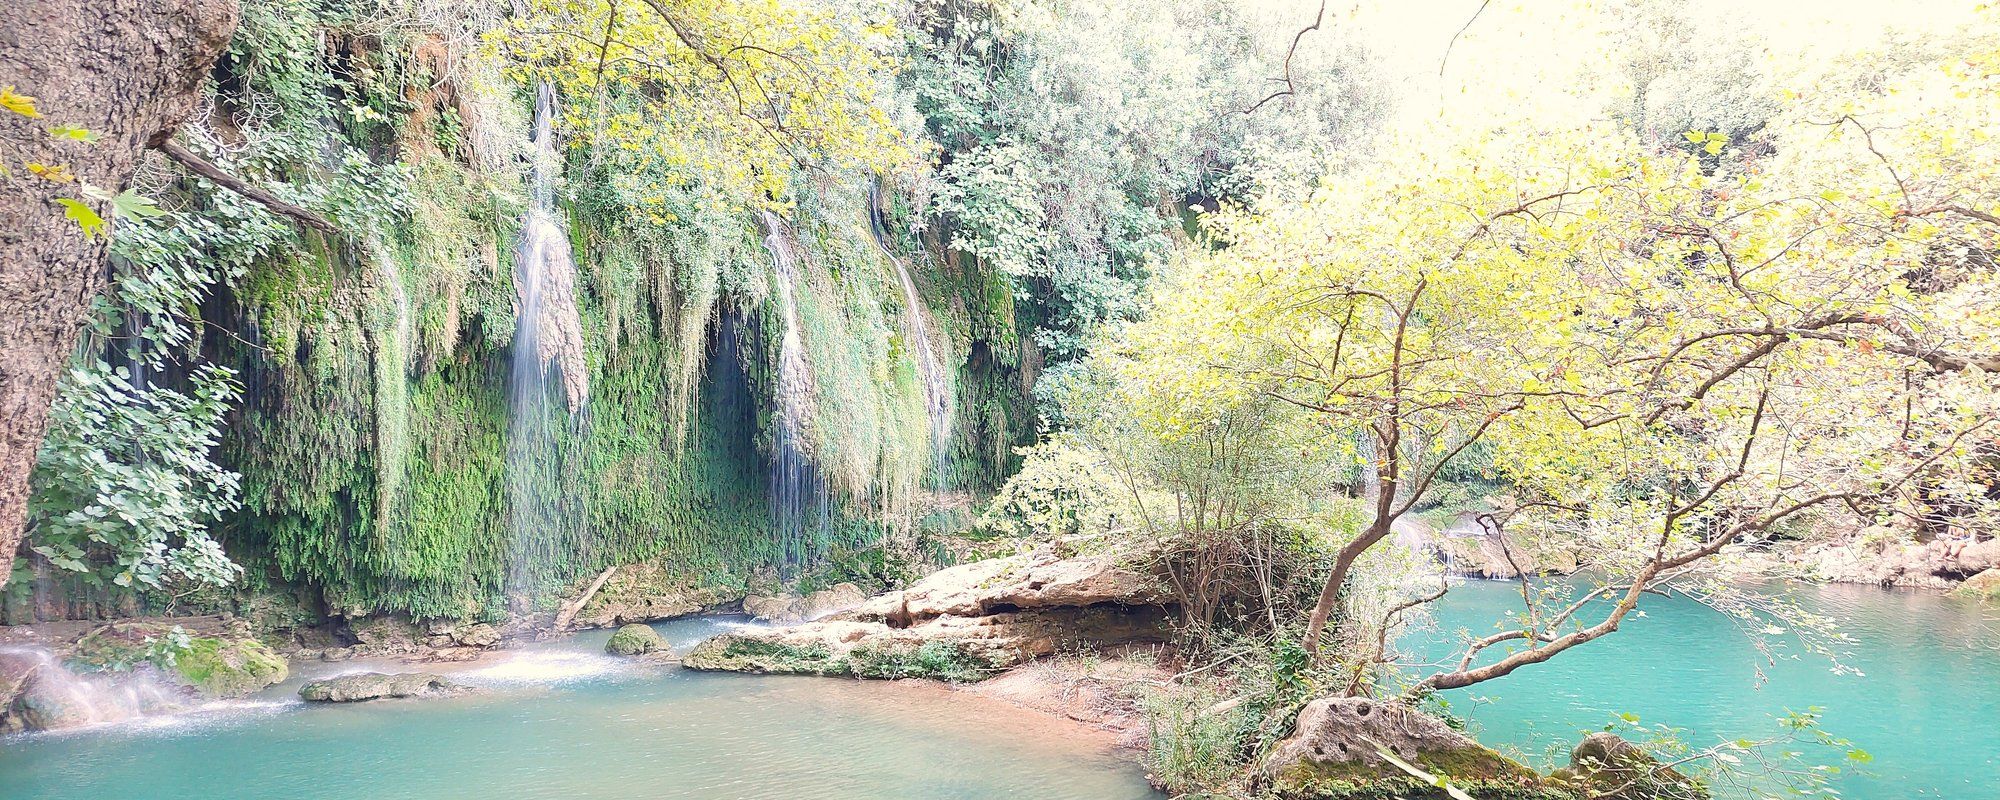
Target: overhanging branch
x=201, y=166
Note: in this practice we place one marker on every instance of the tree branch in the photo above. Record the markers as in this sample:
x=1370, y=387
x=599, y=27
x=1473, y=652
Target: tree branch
x=201, y=166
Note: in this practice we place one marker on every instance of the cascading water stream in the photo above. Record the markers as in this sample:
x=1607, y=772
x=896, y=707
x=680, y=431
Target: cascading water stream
x=801, y=506
x=548, y=337
x=916, y=330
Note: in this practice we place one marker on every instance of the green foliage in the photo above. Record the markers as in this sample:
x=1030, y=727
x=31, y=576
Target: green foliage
x=124, y=487
x=1190, y=748
x=938, y=659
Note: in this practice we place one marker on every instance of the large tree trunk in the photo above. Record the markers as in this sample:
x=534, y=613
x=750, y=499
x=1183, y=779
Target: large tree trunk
x=130, y=71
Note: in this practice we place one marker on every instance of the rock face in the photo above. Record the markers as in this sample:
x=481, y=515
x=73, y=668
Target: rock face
x=1334, y=753
x=375, y=685
x=635, y=640
x=648, y=592
x=961, y=623
x=791, y=610
x=1606, y=767
x=1893, y=560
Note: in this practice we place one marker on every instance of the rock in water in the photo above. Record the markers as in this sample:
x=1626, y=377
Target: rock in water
x=216, y=666
x=1983, y=586
x=1606, y=767
x=635, y=640
x=374, y=685
x=1335, y=753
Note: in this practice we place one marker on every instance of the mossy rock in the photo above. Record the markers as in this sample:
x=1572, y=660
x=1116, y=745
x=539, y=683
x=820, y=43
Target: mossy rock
x=635, y=640
x=1335, y=753
x=732, y=653
x=1606, y=767
x=1983, y=586
x=229, y=667
x=938, y=659
x=211, y=665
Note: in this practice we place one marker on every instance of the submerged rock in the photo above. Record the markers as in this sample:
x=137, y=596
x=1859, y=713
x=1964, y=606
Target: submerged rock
x=1335, y=753
x=635, y=640
x=1606, y=767
x=962, y=623
x=375, y=685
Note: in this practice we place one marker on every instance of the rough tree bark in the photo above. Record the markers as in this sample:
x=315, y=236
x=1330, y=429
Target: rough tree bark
x=131, y=71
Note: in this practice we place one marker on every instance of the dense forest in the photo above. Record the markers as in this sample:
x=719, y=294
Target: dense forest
x=1196, y=360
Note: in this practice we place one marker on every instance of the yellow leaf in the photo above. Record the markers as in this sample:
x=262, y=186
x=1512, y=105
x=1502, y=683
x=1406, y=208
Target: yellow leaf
x=18, y=103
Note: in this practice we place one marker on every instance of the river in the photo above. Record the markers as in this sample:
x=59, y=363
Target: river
x=1925, y=703
x=561, y=720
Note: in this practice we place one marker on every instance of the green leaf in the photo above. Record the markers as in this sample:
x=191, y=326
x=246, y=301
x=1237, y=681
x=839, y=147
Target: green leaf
x=1694, y=137
x=132, y=205
x=83, y=216
x=75, y=133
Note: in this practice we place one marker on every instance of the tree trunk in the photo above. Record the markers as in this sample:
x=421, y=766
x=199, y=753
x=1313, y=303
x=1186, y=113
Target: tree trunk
x=129, y=71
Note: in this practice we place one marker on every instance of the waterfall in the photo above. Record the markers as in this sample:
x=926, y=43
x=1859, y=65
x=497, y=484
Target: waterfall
x=53, y=697
x=548, y=337
x=801, y=506
x=916, y=330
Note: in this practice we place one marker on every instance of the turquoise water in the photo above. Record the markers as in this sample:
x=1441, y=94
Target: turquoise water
x=1926, y=706
x=564, y=722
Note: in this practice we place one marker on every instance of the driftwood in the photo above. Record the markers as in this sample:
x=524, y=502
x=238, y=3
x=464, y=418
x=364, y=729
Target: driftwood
x=569, y=610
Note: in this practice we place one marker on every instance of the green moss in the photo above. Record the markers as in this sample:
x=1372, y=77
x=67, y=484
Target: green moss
x=228, y=667
x=1479, y=770
x=941, y=660
x=728, y=653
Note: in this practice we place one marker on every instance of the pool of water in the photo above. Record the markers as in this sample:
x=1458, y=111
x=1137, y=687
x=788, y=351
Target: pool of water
x=1925, y=706
x=563, y=721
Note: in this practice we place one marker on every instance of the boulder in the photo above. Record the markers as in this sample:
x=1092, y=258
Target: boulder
x=1606, y=767
x=47, y=702
x=229, y=667
x=790, y=609
x=387, y=635
x=16, y=666
x=1335, y=753
x=1983, y=586
x=231, y=664
x=476, y=635
x=361, y=686
x=635, y=640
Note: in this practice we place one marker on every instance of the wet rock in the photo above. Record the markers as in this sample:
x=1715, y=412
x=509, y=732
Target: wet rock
x=376, y=685
x=1335, y=753
x=635, y=640
x=337, y=654
x=229, y=667
x=790, y=609
x=1606, y=767
x=231, y=664
x=46, y=704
